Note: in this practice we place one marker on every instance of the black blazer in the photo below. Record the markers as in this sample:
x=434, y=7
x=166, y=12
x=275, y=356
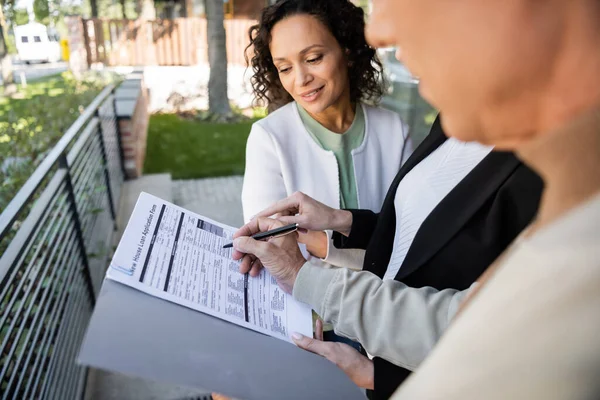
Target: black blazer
x=461, y=237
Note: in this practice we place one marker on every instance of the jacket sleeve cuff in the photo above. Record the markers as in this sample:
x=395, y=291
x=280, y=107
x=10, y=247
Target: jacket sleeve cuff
x=313, y=284
x=363, y=225
x=330, y=247
x=344, y=258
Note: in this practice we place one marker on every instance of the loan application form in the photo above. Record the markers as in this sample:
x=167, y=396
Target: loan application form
x=177, y=255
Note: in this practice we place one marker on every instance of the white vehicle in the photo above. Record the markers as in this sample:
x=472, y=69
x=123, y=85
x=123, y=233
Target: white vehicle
x=37, y=43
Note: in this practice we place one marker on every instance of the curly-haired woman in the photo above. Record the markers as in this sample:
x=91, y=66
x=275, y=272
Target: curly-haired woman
x=314, y=70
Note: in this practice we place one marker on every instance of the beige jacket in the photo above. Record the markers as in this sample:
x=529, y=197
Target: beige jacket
x=391, y=320
x=533, y=331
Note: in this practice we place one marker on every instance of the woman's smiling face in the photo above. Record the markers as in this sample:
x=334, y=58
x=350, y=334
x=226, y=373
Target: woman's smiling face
x=311, y=64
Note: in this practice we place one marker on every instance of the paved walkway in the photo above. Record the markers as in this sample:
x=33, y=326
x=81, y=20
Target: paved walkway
x=216, y=198
x=36, y=71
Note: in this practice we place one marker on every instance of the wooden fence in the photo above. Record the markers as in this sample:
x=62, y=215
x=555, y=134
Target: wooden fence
x=180, y=41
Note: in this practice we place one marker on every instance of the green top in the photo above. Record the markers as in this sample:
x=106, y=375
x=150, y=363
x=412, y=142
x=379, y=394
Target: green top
x=341, y=145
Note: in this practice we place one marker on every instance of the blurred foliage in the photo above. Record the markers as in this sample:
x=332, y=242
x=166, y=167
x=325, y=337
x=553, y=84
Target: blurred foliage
x=48, y=12
x=364, y=4
x=10, y=44
x=59, y=9
x=34, y=119
x=404, y=98
x=112, y=9
x=3, y=45
x=259, y=112
x=41, y=11
x=20, y=16
x=53, y=12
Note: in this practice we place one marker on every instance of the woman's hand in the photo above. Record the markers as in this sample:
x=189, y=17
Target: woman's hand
x=309, y=214
x=281, y=256
x=358, y=367
x=315, y=241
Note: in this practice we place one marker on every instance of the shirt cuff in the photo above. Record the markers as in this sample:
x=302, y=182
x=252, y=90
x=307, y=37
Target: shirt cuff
x=343, y=258
x=329, y=246
x=312, y=285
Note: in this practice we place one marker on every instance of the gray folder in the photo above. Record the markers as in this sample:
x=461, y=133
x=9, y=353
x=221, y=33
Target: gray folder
x=137, y=334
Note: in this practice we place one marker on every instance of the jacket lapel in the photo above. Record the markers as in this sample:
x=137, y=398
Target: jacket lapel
x=434, y=140
x=382, y=238
x=455, y=210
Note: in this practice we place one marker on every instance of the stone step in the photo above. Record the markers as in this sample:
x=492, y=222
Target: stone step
x=159, y=185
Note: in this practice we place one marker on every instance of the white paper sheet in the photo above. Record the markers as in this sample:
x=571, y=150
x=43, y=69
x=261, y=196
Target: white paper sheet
x=177, y=255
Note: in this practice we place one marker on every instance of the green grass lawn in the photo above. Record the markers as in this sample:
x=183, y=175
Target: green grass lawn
x=191, y=149
x=49, y=86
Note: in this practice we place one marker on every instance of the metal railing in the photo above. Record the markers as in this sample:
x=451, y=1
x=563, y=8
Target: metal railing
x=52, y=269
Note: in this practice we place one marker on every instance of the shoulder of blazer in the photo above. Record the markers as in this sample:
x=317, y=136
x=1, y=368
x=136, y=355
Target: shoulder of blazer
x=283, y=129
x=380, y=112
x=286, y=129
x=282, y=117
x=387, y=134
x=456, y=209
x=381, y=120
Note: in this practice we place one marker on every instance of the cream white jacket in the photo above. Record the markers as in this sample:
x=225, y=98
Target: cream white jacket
x=532, y=331
x=282, y=158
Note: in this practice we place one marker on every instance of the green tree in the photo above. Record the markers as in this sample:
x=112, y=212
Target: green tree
x=21, y=17
x=41, y=11
x=8, y=10
x=13, y=16
x=59, y=9
x=109, y=8
x=94, y=7
x=123, y=9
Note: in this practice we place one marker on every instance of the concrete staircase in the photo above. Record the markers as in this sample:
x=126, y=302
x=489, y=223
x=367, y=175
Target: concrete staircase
x=160, y=185
x=216, y=198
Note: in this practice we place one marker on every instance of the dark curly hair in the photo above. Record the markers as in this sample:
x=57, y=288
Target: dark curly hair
x=347, y=24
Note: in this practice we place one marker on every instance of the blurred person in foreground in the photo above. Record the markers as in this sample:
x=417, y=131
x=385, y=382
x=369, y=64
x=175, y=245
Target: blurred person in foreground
x=520, y=75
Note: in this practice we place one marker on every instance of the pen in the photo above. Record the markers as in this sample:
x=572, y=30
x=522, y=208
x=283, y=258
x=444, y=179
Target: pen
x=284, y=230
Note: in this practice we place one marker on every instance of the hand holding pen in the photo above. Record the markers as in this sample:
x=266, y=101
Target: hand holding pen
x=273, y=233
x=281, y=255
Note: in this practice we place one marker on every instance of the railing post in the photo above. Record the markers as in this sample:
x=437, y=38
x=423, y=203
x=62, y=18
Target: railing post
x=111, y=203
x=119, y=136
x=63, y=163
